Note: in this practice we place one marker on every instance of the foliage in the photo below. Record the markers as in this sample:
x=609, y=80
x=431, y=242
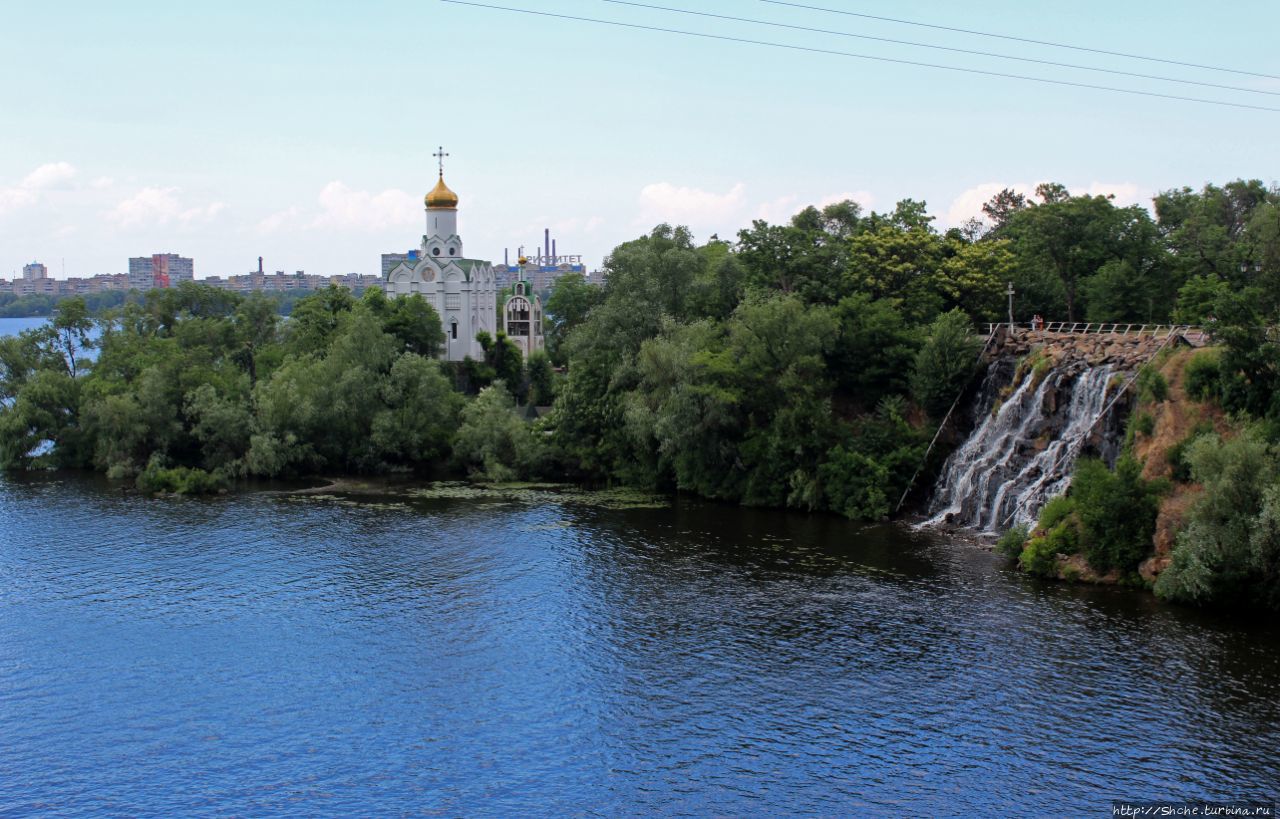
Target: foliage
x=1176, y=455
x=1201, y=375
x=1228, y=551
x=1117, y=510
x=179, y=480
x=541, y=375
x=1012, y=542
x=1152, y=386
x=945, y=362
x=493, y=443
x=570, y=302
x=1040, y=554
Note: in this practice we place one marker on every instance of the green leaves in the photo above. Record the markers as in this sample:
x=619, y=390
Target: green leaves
x=945, y=363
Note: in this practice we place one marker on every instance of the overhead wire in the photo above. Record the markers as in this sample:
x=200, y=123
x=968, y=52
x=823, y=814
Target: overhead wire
x=870, y=57
x=957, y=30
x=936, y=47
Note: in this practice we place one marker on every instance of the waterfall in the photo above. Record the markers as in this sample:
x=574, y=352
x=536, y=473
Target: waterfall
x=1022, y=451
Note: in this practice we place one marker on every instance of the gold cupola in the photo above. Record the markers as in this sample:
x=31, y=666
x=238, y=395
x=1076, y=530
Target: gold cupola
x=441, y=196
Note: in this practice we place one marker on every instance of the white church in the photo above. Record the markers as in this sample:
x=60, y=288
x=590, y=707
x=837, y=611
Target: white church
x=463, y=291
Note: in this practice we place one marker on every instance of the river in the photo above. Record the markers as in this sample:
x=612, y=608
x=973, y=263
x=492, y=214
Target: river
x=537, y=653
x=13, y=326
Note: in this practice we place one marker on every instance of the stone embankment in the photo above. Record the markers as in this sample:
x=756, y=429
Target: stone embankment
x=1075, y=352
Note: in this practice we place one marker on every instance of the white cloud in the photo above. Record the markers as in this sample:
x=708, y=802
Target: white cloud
x=345, y=209
x=726, y=213
x=49, y=176
x=968, y=205
x=153, y=207
x=102, y=182
x=664, y=202
x=864, y=198
x=288, y=218
x=1125, y=193
x=784, y=207
x=13, y=198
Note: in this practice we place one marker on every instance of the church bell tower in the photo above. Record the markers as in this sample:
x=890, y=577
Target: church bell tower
x=442, y=240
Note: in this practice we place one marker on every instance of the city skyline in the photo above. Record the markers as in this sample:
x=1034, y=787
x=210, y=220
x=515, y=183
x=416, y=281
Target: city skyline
x=307, y=139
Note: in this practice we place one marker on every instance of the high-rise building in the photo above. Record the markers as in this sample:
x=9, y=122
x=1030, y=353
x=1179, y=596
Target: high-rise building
x=34, y=271
x=391, y=260
x=160, y=270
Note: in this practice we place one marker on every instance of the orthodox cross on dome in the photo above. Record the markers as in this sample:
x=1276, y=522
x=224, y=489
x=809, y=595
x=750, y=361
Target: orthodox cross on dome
x=440, y=155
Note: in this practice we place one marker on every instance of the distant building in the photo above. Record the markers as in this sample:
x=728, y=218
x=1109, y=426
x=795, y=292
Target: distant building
x=35, y=270
x=391, y=260
x=160, y=270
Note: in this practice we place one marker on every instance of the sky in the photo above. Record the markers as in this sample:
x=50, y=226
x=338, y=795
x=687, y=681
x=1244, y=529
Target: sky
x=303, y=132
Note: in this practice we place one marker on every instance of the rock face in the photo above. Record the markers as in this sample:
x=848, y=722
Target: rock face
x=1074, y=352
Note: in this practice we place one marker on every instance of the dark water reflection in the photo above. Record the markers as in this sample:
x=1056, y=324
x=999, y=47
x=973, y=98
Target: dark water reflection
x=268, y=655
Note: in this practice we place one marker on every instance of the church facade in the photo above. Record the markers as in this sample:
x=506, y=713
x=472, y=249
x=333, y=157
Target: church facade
x=463, y=291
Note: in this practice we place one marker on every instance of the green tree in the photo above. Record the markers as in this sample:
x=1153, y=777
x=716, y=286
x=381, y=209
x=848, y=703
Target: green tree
x=945, y=363
x=571, y=300
x=413, y=321
x=493, y=443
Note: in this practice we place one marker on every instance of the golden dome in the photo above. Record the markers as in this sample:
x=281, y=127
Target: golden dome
x=441, y=196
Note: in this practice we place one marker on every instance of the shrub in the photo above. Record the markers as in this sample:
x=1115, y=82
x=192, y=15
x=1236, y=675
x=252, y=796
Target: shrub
x=179, y=479
x=1040, y=556
x=1228, y=551
x=1179, y=466
x=1012, y=541
x=1202, y=376
x=1056, y=511
x=1118, y=512
x=1152, y=386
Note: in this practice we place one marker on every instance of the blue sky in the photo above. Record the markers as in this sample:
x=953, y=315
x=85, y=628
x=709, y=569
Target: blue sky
x=303, y=132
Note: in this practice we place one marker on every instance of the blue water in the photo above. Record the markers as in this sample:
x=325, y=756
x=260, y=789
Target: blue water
x=13, y=326
x=282, y=655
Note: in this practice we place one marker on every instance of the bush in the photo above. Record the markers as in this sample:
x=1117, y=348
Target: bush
x=1012, y=541
x=1055, y=511
x=1118, y=511
x=1152, y=386
x=1203, y=380
x=1040, y=556
x=179, y=480
x=1179, y=466
x=1228, y=551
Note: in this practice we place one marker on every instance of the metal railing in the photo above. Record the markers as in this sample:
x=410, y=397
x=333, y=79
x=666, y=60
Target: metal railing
x=1108, y=328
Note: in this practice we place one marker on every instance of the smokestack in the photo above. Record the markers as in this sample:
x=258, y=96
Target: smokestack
x=506, y=256
x=555, y=254
x=259, y=264
x=546, y=239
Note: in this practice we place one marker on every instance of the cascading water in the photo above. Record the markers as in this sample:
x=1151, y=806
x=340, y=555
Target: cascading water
x=1022, y=452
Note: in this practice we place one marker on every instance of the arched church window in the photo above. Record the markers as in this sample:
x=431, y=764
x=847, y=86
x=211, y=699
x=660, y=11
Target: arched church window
x=453, y=330
x=452, y=251
x=435, y=251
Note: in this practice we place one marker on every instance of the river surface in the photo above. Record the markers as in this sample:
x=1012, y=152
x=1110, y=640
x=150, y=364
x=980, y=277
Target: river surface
x=14, y=326
x=269, y=654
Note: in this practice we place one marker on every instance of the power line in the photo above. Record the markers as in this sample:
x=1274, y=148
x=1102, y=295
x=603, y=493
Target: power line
x=1024, y=40
x=834, y=53
x=943, y=48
